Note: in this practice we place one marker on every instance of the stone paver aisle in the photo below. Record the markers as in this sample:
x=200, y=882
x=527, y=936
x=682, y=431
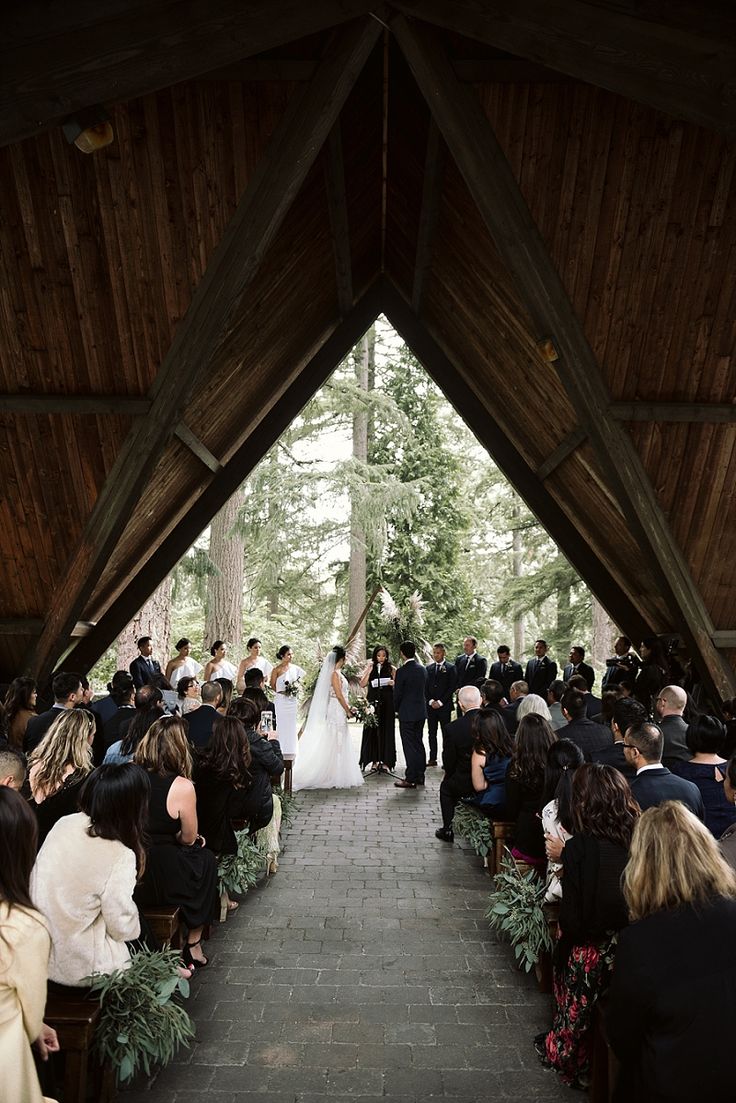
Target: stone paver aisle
x=364, y=970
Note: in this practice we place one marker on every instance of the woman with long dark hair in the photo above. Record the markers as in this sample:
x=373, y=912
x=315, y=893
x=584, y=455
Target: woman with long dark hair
x=20, y=706
x=563, y=759
x=24, y=955
x=86, y=872
x=525, y=788
x=592, y=912
x=267, y=762
x=378, y=748
x=490, y=760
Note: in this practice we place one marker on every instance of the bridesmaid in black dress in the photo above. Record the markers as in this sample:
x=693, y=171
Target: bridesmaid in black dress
x=378, y=748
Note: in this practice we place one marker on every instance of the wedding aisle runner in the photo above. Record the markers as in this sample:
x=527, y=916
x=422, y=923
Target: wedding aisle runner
x=363, y=971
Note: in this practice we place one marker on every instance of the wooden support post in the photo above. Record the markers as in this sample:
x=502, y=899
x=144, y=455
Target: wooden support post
x=203, y=331
x=497, y=195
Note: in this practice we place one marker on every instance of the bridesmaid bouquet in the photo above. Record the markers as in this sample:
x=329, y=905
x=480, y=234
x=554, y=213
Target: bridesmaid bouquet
x=292, y=689
x=363, y=711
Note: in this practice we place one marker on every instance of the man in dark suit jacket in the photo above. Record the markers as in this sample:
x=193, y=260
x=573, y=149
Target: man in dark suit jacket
x=506, y=670
x=202, y=719
x=517, y=693
x=410, y=702
x=627, y=713
x=654, y=783
x=143, y=666
x=624, y=665
x=669, y=707
x=540, y=671
x=470, y=667
x=441, y=679
x=593, y=704
x=457, y=752
x=576, y=665
x=584, y=732
x=68, y=693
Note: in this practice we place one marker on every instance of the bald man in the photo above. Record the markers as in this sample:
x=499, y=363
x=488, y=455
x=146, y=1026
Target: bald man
x=12, y=768
x=670, y=706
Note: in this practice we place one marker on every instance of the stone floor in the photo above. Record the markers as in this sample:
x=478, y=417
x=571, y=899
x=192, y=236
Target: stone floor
x=363, y=970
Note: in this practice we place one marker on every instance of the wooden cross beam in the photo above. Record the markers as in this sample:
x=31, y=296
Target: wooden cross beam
x=498, y=197
x=203, y=331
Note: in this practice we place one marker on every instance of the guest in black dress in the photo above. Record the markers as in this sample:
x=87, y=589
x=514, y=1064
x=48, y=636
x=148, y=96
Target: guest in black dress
x=378, y=747
x=525, y=788
x=58, y=767
x=180, y=871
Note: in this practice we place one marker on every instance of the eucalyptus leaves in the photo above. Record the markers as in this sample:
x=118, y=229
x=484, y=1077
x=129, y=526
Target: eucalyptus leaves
x=475, y=828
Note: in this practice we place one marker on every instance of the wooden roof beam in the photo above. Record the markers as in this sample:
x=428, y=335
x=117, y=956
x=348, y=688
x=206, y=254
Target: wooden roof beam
x=337, y=205
x=429, y=213
x=683, y=62
x=482, y=70
x=563, y=451
x=122, y=405
x=497, y=195
x=714, y=413
x=202, y=333
x=447, y=373
x=147, y=577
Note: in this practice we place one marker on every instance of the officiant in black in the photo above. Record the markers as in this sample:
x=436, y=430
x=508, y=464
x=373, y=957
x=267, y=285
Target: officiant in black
x=470, y=667
x=441, y=679
x=378, y=747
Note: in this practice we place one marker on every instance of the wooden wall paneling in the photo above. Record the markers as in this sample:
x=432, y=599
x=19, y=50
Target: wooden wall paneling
x=339, y=223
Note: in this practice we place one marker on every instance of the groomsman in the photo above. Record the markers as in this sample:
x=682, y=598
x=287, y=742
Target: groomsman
x=441, y=679
x=143, y=667
x=506, y=671
x=540, y=671
x=576, y=665
x=470, y=667
x=410, y=702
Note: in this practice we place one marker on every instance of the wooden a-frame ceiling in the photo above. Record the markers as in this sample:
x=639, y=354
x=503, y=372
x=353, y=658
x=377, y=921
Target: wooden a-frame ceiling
x=540, y=198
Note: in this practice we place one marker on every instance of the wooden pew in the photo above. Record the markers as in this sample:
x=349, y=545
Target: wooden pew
x=165, y=923
x=502, y=833
x=75, y=1020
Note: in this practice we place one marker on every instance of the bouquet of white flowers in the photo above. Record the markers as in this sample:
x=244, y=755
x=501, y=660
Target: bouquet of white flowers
x=363, y=711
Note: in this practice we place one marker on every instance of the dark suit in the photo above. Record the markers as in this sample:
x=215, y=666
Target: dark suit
x=614, y=755
x=457, y=750
x=470, y=670
x=539, y=676
x=441, y=678
x=593, y=705
x=586, y=734
x=674, y=730
x=583, y=670
x=38, y=726
x=141, y=672
x=410, y=702
x=512, y=673
x=200, y=725
x=656, y=786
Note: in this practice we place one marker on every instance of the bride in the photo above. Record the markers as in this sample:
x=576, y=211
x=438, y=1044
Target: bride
x=325, y=759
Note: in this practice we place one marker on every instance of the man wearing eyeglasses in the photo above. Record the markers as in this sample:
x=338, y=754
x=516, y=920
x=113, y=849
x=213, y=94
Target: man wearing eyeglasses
x=654, y=783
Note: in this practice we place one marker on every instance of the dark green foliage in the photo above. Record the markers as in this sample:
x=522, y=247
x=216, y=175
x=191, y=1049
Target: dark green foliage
x=515, y=911
x=239, y=872
x=474, y=827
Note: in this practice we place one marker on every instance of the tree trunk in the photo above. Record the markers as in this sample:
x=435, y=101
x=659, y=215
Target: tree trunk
x=358, y=567
x=153, y=620
x=516, y=561
x=604, y=633
x=224, y=604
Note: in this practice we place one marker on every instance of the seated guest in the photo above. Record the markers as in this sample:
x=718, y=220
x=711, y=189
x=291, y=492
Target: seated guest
x=123, y=714
x=517, y=693
x=525, y=788
x=670, y=1010
x=58, y=766
x=491, y=694
x=593, y=704
x=183, y=666
x=563, y=759
x=727, y=841
x=98, y=739
x=492, y=750
x=12, y=768
x=187, y=695
x=67, y=690
x=85, y=876
x=170, y=696
x=179, y=872
x=555, y=694
x=654, y=783
x=201, y=720
x=592, y=912
x=609, y=697
x=580, y=728
x=457, y=750
x=24, y=955
x=254, y=682
x=707, y=769
x=533, y=703
x=106, y=706
x=266, y=758
x=226, y=686
x=669, y=707
x=20, y=707
x=627, y=713
x=149, y=709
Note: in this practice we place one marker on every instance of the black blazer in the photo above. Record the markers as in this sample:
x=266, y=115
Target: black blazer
x=140, y=672
x=614, y=755
x=671, y=1005
x=470, y=672
x=539, y=675
x=656, y=786
x=200, y=723
x=37, y=727
x=583, y=670
x=512, y=673
x=440, y=686
x=457, y=746
x=593, y=706
x=410, y=701
x=588, y=735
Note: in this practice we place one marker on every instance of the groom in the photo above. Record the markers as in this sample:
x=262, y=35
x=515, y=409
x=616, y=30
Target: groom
x=411, y=707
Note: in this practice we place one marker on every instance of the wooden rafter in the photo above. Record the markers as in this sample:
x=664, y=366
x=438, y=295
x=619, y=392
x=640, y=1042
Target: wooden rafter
x=497, y=195
x=683, y=62
x=203, y=331
x=139, y=587
x=429, y=213
x=338, y=210
x=34, y=404
x=447, y=374
x=564, y=449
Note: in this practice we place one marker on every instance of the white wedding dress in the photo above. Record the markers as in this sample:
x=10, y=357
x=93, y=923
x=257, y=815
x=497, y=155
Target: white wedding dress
x=326, y=759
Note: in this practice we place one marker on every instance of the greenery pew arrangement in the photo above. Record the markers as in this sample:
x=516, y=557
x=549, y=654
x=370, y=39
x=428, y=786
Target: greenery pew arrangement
x=474, y=827
x=516, y=912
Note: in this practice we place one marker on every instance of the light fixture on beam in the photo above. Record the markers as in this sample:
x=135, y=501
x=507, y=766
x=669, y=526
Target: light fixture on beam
x=89, y=130
x=547, y=348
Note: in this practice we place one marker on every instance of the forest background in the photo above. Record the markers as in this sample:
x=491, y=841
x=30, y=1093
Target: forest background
x=378, y=482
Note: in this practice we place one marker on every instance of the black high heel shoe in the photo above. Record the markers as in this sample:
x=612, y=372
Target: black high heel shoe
x=186, y=956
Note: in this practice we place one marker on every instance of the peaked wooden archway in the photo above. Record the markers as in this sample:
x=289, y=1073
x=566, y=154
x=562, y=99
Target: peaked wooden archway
x=174, y=300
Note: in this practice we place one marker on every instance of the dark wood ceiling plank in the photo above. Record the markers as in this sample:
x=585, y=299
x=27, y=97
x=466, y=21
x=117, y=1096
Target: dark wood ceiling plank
x=203, y=332
x=338, y=211
x=495, y=190
x=140, y=586
x=34, y=404
x=688, y=71
x=429, y=213
x=720, y=413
